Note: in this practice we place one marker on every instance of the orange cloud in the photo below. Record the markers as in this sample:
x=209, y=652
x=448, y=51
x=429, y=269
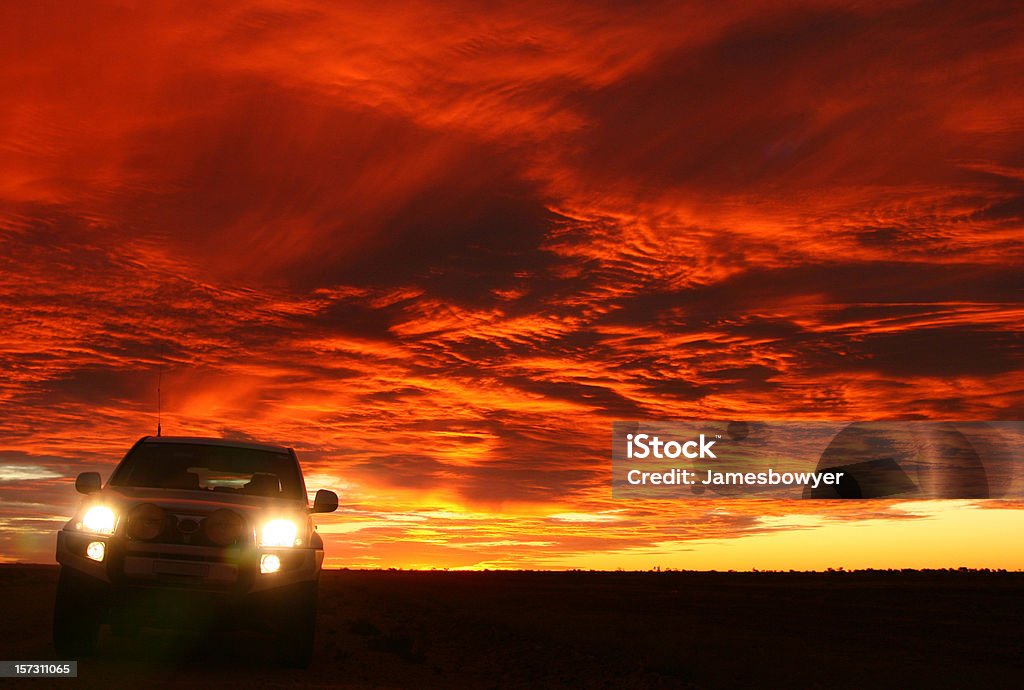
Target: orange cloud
x=438, y=248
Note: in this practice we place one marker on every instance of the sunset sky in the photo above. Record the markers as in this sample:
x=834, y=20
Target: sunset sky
x=439, y=247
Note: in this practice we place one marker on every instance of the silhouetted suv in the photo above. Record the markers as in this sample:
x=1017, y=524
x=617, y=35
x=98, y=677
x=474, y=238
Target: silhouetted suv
x=192, y=533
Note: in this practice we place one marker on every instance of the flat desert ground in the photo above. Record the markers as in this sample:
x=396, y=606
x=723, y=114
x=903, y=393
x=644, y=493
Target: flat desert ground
x=399, y=629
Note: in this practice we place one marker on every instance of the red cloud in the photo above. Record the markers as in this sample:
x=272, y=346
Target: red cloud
x=484, y=234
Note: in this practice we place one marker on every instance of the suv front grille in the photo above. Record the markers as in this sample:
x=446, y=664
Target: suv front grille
x=188, y=529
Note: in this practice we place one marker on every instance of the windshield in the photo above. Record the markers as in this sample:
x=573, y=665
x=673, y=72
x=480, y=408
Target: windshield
x=201, y=467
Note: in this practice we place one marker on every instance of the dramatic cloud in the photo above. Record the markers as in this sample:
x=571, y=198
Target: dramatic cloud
x=438, y=248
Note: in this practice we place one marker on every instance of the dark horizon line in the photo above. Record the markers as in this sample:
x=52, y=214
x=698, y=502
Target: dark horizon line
x=623, y=571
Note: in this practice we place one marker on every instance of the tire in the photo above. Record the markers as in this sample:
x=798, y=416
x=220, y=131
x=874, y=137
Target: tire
x=76, y=616
x=124, y=630
x=298, y=627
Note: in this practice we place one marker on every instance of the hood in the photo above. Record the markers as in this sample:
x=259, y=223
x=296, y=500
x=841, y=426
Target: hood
x=173, y=500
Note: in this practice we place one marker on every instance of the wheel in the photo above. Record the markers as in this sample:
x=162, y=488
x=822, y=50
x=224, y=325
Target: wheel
x=298, y=627
x=76, y=616
x=124, y=630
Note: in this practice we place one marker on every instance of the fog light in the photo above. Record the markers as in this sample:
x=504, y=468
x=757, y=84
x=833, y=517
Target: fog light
x=269, y=563
x=223, y=527
x=96, y=550
x=146, y=522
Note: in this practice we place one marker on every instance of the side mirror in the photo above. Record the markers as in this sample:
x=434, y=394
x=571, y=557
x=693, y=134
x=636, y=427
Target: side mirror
x=88, y=483
x=324, y=502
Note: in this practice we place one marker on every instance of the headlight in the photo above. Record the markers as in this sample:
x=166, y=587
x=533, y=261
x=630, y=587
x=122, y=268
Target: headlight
x=99, y=519
x=279, y=533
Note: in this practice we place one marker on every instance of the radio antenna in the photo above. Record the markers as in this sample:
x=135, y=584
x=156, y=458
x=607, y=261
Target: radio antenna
x=159, y=410
x=159, y=397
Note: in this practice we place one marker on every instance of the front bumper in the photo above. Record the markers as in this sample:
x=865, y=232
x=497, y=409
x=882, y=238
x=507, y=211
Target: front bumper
x=229, y=572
